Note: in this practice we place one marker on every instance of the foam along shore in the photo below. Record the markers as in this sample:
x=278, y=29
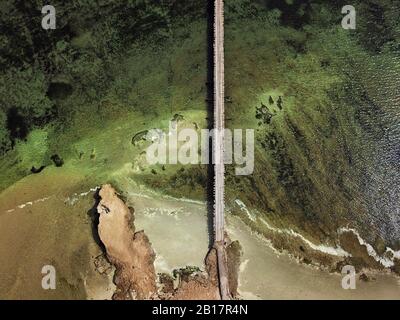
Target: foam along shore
x=265, y=273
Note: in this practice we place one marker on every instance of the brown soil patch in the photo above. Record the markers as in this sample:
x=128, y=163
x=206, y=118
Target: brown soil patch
x=234, y=253
x=130, y=252
x=198, y=286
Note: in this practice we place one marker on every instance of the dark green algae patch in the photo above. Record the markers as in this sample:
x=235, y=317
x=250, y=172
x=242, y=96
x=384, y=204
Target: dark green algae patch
x=106, y=64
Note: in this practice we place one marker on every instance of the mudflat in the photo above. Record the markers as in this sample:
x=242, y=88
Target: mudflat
x=39, y=226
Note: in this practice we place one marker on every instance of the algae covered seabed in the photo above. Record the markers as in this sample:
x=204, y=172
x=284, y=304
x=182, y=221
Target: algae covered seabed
x=323, y=101
x=325, y=109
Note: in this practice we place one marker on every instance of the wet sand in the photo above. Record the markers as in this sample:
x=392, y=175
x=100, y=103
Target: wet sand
x=267, y=275
x=39, y=227
x=176, y=229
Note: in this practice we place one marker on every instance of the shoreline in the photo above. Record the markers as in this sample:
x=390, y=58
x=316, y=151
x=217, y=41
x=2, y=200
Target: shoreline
x=193, y=215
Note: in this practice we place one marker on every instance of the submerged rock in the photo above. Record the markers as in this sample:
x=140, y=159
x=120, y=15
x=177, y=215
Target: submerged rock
x=139, y=136
x=37, y=170
x=58, y=161
x=177, y=117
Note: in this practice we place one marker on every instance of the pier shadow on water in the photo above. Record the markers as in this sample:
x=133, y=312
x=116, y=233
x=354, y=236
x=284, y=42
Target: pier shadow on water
x=210, y=117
